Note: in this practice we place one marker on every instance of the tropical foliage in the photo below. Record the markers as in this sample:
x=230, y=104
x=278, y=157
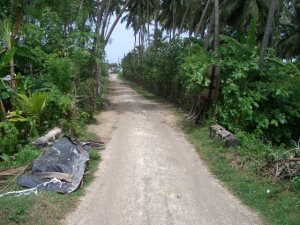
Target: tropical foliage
x=257, y=90
x=49, y=50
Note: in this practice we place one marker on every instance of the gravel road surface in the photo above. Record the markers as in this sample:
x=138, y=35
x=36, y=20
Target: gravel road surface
x=150, y=174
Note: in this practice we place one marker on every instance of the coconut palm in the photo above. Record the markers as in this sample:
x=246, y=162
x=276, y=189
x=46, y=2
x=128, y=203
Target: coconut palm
x=269, y=25
x=8, y=42
x=289, y=46
x=237, y=15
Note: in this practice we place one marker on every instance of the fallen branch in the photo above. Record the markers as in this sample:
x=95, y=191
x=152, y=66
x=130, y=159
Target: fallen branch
x=10, y=172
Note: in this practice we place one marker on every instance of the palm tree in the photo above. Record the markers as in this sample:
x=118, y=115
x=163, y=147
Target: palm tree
x=199, y=25
x=6, y=38
x=119, y=15
x=289, y=46
x=209, y=30
x=217, y=26
x=238, y=14
x=171, y=14
x=268, y=29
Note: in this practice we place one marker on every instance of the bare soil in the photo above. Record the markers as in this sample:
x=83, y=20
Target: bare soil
x=150, y=174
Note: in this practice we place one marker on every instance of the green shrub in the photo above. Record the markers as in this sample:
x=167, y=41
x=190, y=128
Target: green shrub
x=58, y=106
x=262, y=100
x=295, y=183
x=33, y=105
x=94, y=155
x=60, y=71
x=24, y=156
x=8, y=138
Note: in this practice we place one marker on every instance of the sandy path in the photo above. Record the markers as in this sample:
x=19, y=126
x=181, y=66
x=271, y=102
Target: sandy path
x=150, y=175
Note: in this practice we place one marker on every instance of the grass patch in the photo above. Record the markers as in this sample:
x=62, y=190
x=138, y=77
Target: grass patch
x=280, y=206
x=237, y=169
x=26, y=155
x=89, y=136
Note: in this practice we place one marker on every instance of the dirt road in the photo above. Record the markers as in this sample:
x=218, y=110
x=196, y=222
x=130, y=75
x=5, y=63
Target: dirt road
x=150, y=175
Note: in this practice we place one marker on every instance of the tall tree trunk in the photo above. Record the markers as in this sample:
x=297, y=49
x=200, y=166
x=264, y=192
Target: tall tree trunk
x=109, y=19
x=174, y=19
x=116, y=22
x=148, y=23
x=199, y=25
x=217, y=27
x=183, y=19
x=12, y=73
x=209, y=29
x=2, y=111
x=268, y=29
x=80, y=7
x=16, y=29
x=98, y=49
x=156, y=23
x=99, y=15
x=106, y=15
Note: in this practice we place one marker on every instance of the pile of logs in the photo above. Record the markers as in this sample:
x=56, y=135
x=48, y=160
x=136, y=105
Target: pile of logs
x=229, y=139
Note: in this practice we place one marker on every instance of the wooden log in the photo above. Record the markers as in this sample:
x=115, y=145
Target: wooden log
x=60, y=176
x=229, y=139
x=294, y=159
x=49, y=138
x=10, y=172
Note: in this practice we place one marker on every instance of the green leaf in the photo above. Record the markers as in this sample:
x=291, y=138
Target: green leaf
x=5, y=157
x=6, y=57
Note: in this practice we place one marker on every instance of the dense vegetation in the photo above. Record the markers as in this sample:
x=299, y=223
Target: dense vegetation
x=257, y=90
x=51, y=67
x=264, y=100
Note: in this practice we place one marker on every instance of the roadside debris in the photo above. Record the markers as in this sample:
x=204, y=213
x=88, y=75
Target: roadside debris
x=49, y=138
x=286, y=166
x=31, y=190
x=4, y=174
x=93, y=144
x=65, y=160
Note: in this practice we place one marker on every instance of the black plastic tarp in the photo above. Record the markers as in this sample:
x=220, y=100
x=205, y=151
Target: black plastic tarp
x=64, y=156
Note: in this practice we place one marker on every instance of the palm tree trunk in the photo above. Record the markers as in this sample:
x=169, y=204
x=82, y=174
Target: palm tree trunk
x=148, y=23
x=79, y=9
x=174, y=19
x=106, y=15
x=183, y=19
x=116, y=21
x=268, y=29
x=109, y=18
x=217, y=27
x=2, y=111
x=12, y=73
x=97, y=48
x=209, y=29
x=202, y=18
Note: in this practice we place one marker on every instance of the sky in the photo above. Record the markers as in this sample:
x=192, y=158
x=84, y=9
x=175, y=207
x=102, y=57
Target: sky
x=121, y=42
